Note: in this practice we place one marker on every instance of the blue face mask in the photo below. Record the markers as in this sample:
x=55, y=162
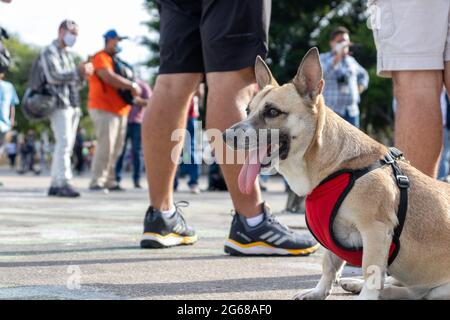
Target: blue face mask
x=69, y=39
x=118, y=48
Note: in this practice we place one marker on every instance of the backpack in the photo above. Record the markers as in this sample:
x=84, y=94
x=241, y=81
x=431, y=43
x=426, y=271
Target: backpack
x=124, y=70
x=38, y=102
x=5, y=58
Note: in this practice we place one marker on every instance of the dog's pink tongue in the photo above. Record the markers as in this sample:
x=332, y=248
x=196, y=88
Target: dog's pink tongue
x=251, y=170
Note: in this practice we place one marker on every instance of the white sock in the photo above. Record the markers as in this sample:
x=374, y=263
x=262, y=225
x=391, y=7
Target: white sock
x=253, y=222
x=169, y=213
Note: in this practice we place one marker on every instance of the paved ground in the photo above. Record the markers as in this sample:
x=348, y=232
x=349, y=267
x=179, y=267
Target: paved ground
x=49, y=246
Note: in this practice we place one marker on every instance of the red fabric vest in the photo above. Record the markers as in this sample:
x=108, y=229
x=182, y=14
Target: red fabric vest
x=322, y=206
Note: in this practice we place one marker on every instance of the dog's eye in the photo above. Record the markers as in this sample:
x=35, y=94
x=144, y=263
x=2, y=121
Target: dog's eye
x=248, y=111
x=272, y=113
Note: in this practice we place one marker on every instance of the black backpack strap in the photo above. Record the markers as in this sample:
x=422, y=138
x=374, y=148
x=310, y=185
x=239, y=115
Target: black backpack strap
x=5, y=58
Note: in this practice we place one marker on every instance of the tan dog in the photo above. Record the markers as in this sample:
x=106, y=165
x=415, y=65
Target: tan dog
x=314, y=144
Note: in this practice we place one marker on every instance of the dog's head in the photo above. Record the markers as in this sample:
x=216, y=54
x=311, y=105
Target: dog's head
x=282, y=120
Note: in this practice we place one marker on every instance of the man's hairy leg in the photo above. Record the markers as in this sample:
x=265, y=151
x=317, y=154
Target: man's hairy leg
x=418, y=131
x=229, y=94
x=166, y=113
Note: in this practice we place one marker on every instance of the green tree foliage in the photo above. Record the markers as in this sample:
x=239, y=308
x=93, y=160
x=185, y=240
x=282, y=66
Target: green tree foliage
x=297, y=26
x=152, y=40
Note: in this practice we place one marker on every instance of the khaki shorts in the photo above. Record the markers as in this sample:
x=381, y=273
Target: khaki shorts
x=410, y=34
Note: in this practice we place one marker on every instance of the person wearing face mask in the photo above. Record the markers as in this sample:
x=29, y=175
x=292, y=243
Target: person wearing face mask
x=64, y=80
x=110, y=99
x=346, y=79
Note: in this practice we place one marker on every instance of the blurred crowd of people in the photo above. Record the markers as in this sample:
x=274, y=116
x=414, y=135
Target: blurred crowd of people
x=208, y=41
x=117, y=102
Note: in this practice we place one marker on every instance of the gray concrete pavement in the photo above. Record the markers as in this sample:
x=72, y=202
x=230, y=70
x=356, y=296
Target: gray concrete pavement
x=49, y=246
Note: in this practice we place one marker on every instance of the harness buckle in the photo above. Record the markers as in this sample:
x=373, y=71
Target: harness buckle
x=397, y=154
x=403, y=182
x=388, y=159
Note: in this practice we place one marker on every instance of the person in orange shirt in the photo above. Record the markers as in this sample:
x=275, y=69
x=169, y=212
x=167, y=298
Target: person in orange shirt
x=109, y=111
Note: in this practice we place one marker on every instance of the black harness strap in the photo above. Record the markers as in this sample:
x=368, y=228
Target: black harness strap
x=403, y=184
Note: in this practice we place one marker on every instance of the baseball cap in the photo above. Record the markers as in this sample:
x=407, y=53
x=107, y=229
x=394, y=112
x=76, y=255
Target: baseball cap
x=112, y=34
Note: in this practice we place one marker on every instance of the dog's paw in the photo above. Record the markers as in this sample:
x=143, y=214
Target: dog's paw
x=314, y=294
x=352, y=285
x=371, y=295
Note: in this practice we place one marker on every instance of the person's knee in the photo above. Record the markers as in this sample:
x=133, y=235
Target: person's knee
x=177, y=85
x=169, y=95
x=231, y=81
x=415, y=83
x=229, y=93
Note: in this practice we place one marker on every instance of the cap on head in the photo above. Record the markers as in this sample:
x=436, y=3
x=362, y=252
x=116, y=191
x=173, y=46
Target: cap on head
x=69, y=25
x=112, y=34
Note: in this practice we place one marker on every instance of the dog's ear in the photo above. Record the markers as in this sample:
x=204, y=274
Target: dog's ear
x=309, y=79
x=263, y=75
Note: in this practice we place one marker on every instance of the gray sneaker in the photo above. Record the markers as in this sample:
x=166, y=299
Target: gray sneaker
x=162, y=232
x=270, y=238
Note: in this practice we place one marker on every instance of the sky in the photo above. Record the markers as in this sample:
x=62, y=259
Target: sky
x=36, y=22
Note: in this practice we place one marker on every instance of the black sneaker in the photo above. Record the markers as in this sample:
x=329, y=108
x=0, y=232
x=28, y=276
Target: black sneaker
x=53, y=191
x=161, y=232
x=116, y=188
x=270, y=238
x=67, y=192
x=98, y=189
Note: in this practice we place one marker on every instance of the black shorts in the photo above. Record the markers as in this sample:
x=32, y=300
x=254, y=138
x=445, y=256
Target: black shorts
x=203, y=36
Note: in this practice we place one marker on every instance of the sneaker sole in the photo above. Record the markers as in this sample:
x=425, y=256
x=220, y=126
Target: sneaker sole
x=235, y=248
x=104, y=191
x=63, y=197
x=67, y=197
x=157, y=241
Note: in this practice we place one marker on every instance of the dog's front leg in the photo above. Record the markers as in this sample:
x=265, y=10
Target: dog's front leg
x=332, y=267
x=377, y=240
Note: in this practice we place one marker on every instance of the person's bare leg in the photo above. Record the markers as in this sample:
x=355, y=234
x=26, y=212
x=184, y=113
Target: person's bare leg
x=418, y=131
x=229, y=95
x=167, y=112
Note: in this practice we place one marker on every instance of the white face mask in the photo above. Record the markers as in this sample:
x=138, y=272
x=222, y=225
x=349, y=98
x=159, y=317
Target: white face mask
x=70, y=39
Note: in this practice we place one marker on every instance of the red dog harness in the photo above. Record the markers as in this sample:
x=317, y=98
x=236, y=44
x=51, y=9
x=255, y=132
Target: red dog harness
x=323, y=204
